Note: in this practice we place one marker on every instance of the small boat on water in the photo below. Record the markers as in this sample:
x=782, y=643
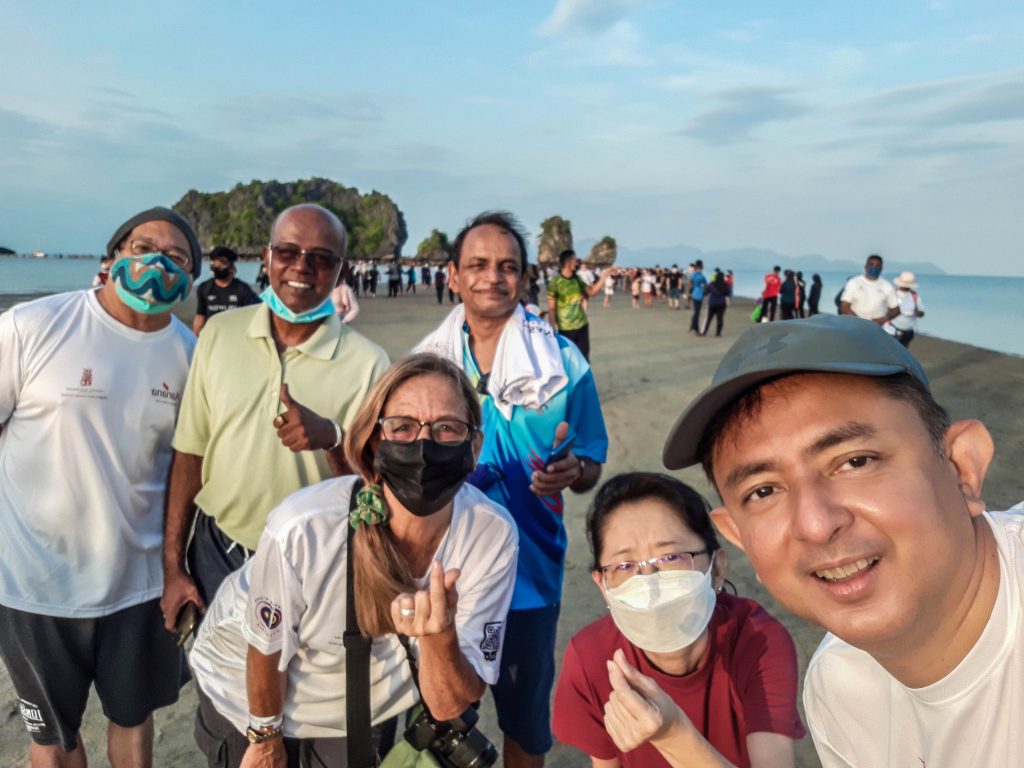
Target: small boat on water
x=38, y=255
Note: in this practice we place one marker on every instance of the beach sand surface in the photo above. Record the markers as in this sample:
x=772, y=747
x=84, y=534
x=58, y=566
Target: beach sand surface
x=647, y=369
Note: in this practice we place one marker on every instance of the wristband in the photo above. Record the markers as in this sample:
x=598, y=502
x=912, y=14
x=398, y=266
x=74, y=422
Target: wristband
x=260, y=723
x=338, y=435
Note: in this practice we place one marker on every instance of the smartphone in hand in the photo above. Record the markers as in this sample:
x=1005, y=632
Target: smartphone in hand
x=561, y=450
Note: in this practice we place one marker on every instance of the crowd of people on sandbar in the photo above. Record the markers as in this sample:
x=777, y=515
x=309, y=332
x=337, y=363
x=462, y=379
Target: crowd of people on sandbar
x=365, y=548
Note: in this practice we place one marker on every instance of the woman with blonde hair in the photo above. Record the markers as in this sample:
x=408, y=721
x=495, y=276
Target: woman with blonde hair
x=433, y=560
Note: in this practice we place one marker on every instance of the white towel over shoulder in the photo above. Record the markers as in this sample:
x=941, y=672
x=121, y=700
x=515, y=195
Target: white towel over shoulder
x=528, y=369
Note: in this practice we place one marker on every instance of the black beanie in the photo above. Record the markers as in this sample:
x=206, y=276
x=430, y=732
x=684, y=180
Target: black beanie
x=161, y=214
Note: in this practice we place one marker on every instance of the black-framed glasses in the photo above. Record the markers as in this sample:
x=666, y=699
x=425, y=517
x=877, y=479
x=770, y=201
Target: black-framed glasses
x=616, y=574
x=406, y=429
x=142, y=246
x=319, y=258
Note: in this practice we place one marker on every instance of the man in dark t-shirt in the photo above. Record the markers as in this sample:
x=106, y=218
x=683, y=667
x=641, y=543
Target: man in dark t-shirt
x=222, y=291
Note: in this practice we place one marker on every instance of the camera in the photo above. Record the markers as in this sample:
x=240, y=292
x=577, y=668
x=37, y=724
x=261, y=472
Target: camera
x=455, y=743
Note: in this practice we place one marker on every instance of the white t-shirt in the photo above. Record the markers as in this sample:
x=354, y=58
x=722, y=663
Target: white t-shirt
x=88, y=407
x=859, y=715
x=869, y=298
x=290, y=597
x=906, y=320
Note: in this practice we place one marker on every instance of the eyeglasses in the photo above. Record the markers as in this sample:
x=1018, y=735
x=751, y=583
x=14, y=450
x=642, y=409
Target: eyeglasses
x=177, y=255
x=616, y=574
x=322, y=259
x=405, y=429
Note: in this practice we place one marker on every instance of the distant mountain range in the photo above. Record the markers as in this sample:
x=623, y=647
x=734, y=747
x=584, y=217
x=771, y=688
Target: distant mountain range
x=750, y=259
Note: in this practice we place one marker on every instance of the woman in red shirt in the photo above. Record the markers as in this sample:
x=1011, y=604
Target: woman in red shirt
x=681, y=673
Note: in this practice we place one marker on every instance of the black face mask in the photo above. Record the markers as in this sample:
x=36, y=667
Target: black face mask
x=221, y=274
x=424, y=475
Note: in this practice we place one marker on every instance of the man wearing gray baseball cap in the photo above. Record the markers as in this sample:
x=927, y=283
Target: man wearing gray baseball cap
x=859, y=505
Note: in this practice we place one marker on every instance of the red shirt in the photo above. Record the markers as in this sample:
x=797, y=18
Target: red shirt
x=772, y=283
x=746, y=683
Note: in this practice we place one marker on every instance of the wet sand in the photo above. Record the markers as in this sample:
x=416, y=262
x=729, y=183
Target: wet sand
x=647, y=369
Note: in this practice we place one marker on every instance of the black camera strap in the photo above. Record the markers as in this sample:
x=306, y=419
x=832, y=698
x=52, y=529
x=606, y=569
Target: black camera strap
x=358, y=722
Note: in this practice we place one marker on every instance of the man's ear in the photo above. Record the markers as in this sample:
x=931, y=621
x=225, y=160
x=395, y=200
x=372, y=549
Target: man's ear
x=453, y=276
x=726, y=526
x=969, y=448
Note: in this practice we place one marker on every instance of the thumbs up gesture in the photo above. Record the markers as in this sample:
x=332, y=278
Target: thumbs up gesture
x=300, y=429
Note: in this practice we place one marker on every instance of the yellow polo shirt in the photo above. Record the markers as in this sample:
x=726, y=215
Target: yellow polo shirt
x=233, y=395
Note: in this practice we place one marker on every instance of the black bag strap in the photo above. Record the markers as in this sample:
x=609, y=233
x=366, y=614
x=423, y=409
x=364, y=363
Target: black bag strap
x=358, y=723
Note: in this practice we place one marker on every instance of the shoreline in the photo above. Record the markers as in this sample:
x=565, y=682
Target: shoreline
x=647, y=368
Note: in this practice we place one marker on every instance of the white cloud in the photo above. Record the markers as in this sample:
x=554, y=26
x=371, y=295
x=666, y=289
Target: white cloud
x=586, y=17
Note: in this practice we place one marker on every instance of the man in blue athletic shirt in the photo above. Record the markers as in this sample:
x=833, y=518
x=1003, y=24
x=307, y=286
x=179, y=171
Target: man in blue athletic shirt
x=536, y=389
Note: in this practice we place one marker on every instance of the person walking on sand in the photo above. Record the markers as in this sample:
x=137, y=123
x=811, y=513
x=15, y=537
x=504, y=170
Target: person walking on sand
x=698, y=284
x=90, y=386
x=718, y=295
x=543, y=433
x=870, y=296
x=815, y=295
x=567, y=297
x=770, y=294
x=904, y=325
x=276, y=384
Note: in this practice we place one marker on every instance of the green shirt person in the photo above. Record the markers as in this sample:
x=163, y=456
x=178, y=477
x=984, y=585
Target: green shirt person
x=567, y=301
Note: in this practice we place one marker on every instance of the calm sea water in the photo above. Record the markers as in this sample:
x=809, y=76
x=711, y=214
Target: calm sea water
x=984, y=311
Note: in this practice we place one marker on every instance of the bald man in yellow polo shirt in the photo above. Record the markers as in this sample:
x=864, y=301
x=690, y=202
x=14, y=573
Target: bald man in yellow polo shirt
x=271, y=390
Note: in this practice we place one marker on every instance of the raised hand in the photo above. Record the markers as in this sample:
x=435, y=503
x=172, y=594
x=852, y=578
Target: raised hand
x=429, y=611
x=638, y=711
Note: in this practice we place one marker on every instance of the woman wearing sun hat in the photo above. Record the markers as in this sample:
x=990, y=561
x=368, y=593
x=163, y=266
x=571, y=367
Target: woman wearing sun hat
x=904, y=325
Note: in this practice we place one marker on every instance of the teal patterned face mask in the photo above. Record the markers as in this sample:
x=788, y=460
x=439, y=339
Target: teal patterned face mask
x=278, y=307
x=150, y=284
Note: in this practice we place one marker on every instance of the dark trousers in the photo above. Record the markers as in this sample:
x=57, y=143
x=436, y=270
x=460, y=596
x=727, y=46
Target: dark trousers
x=224, y=745
x=769, y=307
x=581, y=338
x=718, y=314
x=212, y=556
x=695, y=321
x=439, y=286
x=788, y=311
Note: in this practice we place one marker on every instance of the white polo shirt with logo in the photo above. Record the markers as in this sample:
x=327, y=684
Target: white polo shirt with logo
x=291, y=597
x=87, y=408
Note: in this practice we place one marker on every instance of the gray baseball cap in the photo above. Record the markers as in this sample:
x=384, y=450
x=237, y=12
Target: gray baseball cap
x=823, y=343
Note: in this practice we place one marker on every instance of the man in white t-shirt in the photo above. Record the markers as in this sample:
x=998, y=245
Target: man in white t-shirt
x=865, y=517
x=89, y=391
x=870, y=295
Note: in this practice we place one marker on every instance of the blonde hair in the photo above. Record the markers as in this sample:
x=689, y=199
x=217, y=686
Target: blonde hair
x=381, y=573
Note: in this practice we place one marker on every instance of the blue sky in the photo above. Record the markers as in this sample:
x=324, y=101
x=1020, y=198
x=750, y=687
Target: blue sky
x=805, y=127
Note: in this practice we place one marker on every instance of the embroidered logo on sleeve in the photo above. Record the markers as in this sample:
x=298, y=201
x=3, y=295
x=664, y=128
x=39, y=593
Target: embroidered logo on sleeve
x=268, y=615
x=491, y=643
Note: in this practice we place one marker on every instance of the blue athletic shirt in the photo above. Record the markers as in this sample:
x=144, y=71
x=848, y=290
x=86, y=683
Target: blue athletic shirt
x=514, y=449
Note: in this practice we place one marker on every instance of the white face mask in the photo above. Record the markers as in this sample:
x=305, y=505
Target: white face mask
x=663, y=611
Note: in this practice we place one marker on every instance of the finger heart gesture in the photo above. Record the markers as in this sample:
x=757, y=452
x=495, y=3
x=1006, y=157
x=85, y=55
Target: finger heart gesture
x=638, y=710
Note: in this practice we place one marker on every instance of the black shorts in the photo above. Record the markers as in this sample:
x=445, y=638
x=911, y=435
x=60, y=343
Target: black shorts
x=53, y=661
x=522, y=695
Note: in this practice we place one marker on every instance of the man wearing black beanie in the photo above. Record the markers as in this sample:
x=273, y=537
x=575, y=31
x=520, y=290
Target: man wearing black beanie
x=89, y=394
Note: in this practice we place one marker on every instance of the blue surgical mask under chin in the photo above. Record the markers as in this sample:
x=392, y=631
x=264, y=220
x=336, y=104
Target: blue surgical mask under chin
x=150, y=284
x=874, y=272
x=273, y=301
